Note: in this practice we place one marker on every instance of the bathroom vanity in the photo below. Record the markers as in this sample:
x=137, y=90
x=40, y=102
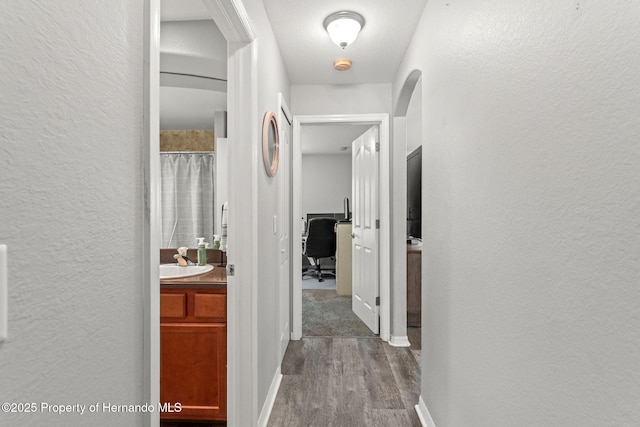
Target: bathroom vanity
x=193, y=346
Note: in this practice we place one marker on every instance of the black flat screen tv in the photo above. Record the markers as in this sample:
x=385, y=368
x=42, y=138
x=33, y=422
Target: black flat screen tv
x=414, y=193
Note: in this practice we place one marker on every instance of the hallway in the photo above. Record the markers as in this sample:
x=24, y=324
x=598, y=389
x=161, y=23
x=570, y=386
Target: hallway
x=336, y=381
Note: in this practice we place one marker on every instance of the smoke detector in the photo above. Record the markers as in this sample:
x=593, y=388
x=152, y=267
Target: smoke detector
x=342, y=64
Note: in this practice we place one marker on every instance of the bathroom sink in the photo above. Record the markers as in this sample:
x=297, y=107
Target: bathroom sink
x=175, y=271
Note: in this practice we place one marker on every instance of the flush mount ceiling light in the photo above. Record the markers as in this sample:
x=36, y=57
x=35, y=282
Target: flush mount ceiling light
x=343, y=27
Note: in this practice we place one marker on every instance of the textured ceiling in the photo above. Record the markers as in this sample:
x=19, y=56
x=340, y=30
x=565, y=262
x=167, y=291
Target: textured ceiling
x=308, y=52
x=183, y=10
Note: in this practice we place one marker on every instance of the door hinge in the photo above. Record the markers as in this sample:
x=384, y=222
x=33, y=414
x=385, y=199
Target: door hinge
x=378, y=301
x=231, y=270
x=377, y=223
x=377, y=146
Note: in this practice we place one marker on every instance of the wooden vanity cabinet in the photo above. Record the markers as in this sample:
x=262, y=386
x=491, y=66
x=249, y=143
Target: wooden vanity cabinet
x=193, y=353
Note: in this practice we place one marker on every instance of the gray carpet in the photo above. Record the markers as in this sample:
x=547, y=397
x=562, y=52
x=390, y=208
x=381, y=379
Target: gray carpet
x=326, y=314
x=311, y=282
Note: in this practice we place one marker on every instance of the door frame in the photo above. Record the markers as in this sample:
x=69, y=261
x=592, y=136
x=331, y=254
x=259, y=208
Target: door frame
x=382, y=120
x=231, y=18
x=285, y=118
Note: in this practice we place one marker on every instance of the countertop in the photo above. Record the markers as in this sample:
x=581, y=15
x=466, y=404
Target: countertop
x=414, y=247
x=216, y=278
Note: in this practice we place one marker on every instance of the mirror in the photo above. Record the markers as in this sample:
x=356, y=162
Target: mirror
x=193, y=101
x=270, y=143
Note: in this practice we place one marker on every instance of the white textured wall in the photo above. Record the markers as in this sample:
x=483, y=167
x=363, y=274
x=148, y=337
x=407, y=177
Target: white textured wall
x=326, y=181
x=414, y=119
x=272, y=78
x=71, y=211
x=184, y=108
x=531, y=273
x=193, y=47
x=341, y=99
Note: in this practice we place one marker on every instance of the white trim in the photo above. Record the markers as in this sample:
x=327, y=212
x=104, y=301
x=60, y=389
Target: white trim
x=151, y=212
x=399, y=226
x=385, y=229
x=399, y=341
x=296, y=254
x=286, y=285
x=385, y=212
x=271, y=399
x=231, y=18
x=242, y=362
x=423, y=414
x=242, y=94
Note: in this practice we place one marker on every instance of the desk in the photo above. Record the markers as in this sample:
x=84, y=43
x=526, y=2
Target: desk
x=343, y=258
x=414, y=284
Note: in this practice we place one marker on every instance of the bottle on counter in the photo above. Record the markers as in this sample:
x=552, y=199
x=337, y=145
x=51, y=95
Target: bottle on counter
x=202, y=251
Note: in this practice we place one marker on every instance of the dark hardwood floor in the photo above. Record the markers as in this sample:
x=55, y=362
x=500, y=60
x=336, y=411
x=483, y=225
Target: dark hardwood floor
x=192, y=424
x=339, y=381
x=348, y=382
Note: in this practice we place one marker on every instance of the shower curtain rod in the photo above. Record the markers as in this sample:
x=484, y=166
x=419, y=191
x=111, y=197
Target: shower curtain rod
x=193, y=75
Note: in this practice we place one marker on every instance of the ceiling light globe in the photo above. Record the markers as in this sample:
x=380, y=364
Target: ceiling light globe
x=343, y=27
x=343, y=31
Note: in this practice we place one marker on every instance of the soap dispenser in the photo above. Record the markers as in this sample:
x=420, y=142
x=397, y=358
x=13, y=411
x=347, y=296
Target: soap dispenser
x=202, y=251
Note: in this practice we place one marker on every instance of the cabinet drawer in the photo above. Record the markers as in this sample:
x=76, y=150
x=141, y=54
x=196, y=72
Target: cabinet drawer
x=173, y=305
x=210, y=306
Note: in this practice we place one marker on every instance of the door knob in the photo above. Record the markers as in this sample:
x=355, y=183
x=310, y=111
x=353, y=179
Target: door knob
x=353, y=235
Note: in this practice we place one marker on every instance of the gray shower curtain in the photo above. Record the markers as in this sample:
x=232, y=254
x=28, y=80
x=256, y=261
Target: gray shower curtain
x=187, y=181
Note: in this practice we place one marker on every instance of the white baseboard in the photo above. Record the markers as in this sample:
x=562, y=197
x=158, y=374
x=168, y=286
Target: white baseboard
x=423, y=414
x=270, y=400
x=399, y=341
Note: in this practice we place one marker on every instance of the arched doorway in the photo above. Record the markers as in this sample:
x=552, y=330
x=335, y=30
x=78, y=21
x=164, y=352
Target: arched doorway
x=403, y=129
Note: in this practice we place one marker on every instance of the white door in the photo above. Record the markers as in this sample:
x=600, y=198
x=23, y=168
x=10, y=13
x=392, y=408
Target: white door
x=365, y=222
x=284, y=226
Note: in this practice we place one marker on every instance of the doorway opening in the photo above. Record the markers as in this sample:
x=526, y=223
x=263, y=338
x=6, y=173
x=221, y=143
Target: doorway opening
x=367, y=120
x=230, y=18
x=326, y=223
x=407, y=136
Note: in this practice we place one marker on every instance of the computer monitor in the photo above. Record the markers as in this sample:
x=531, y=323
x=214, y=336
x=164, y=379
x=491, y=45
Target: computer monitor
x=338, y=216
x=347, y=211
x=414, y=193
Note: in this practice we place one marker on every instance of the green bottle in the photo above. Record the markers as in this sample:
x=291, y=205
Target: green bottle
x=202, y=251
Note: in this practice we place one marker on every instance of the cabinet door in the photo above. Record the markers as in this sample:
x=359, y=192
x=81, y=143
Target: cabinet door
x=193, y=370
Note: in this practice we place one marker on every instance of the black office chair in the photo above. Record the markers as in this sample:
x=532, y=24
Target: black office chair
x=321, y=241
